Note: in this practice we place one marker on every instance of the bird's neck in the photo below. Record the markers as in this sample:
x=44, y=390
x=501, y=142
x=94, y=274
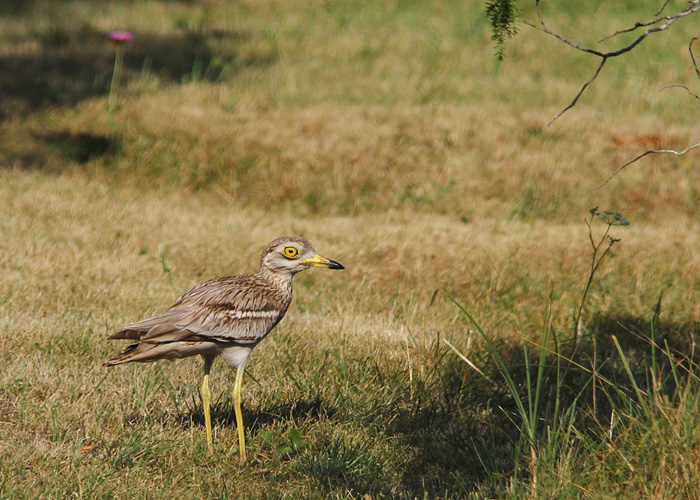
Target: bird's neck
x=280, y=279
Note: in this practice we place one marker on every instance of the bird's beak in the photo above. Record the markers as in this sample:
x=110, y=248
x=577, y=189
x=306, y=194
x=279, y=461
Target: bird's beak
x=319, y=261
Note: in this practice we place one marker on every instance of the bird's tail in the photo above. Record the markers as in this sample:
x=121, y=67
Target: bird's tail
x=140, y=351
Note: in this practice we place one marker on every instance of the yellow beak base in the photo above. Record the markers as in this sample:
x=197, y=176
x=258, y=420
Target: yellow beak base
x=319, y=261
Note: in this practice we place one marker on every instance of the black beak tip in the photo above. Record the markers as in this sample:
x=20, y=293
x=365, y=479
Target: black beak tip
x=335, y=265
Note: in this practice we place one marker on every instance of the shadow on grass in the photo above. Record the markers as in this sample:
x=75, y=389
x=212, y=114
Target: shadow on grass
x=10, y=8
x=81, y=147
x=634, y=333
x=69, y=64
x=670, y=345
x=54, y=152
x=224, y=415
x=459, y=434
x=451, y=432
x=464, y=435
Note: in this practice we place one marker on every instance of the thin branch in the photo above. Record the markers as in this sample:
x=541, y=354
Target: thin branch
x=666, y=151
x=580, y=92
x=678, y=85
x=636, y=26
x=662, y=8
x=650, y=152
x=660, y=24
x=692, y=57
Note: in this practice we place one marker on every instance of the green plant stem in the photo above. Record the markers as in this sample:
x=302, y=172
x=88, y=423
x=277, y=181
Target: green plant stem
x=116, y=75
x=595, y=264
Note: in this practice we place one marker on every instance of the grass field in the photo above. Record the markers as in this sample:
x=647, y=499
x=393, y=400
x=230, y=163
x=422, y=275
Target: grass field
x=388, y=135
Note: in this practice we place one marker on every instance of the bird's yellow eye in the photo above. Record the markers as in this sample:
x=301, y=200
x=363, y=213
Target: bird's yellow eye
x=291, y=252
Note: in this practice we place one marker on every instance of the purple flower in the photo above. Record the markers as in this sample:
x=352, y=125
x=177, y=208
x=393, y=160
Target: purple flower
x=120, y=36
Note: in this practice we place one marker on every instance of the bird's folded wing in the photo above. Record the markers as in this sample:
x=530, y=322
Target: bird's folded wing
x=217, y=322
x=234, y=325
x=138, y=330
x=240, y=309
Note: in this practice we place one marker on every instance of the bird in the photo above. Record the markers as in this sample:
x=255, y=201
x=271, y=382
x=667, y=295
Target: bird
x=225, y=317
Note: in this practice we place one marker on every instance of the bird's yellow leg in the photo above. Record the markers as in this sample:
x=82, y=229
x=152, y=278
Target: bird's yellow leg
x=206, y=403
x=239, y=416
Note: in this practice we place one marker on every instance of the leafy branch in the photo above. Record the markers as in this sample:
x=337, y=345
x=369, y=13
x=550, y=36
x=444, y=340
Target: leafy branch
x=501, y=15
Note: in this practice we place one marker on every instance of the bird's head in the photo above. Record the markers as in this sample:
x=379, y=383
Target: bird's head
x=291, y=255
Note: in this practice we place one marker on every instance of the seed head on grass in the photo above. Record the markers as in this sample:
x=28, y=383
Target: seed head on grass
x=609, y=217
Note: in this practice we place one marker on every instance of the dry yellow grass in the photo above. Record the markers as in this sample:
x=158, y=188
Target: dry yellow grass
x=386, y=136
x=80, y=259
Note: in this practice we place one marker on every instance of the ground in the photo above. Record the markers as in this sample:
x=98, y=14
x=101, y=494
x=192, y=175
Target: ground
x=391, y=138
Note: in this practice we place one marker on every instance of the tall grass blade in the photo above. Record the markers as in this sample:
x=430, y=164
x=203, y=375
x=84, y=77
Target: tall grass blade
x=641, y=397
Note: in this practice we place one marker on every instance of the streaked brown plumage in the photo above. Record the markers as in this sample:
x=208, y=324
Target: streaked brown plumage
x=225, y=316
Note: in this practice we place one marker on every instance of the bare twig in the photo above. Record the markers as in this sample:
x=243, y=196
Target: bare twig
x=580, y=92
x=636, y=26
x=611, y=219
x=662, y=8
x=666, y=151
x=692, y=57
x=678, y=85
x=650, y=152
x=654, y=26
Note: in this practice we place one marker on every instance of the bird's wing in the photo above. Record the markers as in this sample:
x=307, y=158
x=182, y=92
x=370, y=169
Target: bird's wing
x=226, y=323
x=234, y=309
x=136, y=331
